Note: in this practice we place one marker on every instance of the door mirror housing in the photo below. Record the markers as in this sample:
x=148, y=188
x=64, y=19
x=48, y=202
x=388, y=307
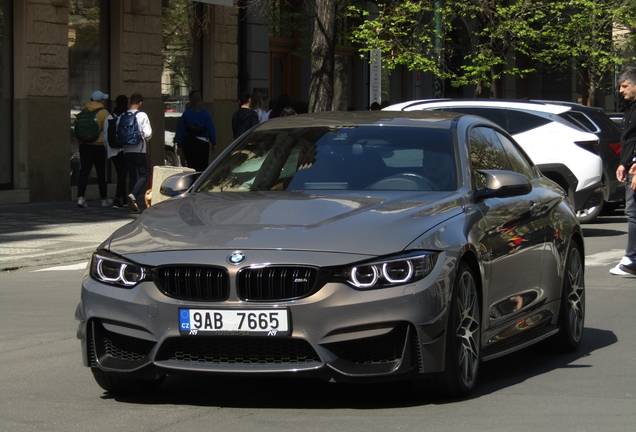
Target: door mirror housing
x=178, y=184
x=502, y=184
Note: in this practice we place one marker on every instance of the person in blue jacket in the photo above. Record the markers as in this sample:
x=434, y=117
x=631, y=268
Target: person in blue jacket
x=196, y=134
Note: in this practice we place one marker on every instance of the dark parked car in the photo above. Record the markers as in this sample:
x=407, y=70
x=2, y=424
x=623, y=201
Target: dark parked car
x=596, y=121
x=617, y=118
x=353, y=246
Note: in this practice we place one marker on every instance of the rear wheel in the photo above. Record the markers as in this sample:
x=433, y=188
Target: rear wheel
x=120, y=385
x=572, y=310
x=463, y=339
x=170, y=158
x=588, y=215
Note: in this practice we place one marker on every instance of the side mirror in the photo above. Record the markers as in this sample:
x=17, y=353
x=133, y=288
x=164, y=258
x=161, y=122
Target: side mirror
x=178, y=183
x=502, y=184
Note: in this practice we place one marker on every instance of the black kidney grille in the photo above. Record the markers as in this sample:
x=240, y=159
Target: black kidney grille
x=276, y=283
x=198, y=283
x=237, y=350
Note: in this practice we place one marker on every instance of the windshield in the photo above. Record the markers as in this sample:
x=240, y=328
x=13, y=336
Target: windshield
x=355, y=158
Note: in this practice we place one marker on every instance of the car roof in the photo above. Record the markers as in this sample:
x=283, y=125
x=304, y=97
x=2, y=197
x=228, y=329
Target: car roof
x=484, y=103
x=573, y=105
x=430, y=119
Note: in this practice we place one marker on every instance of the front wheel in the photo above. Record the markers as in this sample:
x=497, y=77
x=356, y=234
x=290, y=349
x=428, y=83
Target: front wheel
x=463, y=338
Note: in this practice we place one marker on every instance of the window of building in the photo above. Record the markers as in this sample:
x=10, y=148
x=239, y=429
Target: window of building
x=88, y=62
x=181, y=21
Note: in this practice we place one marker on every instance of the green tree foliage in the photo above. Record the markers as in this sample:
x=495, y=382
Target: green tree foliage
x=178, y=21
x=593, y=38
x=482, y=39
x=325, y=18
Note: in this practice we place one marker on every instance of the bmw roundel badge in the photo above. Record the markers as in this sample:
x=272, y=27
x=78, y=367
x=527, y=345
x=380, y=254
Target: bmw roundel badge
x=236, y=258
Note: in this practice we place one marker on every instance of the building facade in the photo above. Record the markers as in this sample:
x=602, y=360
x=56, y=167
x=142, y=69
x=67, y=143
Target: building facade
x=55, y=53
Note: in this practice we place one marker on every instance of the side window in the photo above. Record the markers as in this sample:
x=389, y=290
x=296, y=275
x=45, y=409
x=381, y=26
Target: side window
x=524, y=122
x=497, y=116
x=519, y=163
x=486, y=152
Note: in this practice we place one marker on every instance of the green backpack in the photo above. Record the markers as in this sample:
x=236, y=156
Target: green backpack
x=86, y=126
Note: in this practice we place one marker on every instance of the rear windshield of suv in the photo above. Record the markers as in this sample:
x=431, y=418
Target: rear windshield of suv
x=594, y=122
x=581, y=120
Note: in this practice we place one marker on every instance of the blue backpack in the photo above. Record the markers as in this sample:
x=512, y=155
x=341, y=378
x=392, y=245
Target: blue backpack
x=128, y=132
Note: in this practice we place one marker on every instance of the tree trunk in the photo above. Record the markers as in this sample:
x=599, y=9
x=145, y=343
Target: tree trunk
x=323, y=57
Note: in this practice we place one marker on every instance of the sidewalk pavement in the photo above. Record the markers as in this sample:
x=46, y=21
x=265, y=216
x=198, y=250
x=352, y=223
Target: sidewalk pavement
x=55, y=233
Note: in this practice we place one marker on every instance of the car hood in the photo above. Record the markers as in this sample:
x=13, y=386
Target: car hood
x=372, y=224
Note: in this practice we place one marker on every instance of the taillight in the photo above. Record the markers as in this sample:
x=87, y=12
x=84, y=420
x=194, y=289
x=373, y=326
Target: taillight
x=615, y=146
x=588, y=145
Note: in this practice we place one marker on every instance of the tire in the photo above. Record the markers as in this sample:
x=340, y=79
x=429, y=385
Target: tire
x=119, y=385
x=572, y=309
x=170, y=158
x=588, y=215
x=463, y=338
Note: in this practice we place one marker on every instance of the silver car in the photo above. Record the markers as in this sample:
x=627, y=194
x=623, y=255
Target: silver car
x=352, y=246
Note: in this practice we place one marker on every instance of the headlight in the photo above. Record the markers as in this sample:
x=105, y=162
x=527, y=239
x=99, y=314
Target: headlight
x=389, y=272
x=113, y=270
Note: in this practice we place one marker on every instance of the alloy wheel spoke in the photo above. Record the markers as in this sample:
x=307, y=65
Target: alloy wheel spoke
x=468, y=329
x=575, y=296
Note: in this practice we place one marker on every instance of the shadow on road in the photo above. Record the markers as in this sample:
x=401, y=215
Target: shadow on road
x=276, y=392
x=600, y=232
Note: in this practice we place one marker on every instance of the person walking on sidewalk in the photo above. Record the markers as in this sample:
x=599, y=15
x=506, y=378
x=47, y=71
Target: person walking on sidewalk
x=245, y=117
x=114, y=152
x=135, y=124
x=627, y=169
x=88, y=132
x=196, y=133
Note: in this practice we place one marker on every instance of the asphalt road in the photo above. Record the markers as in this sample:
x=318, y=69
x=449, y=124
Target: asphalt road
x=44, y=387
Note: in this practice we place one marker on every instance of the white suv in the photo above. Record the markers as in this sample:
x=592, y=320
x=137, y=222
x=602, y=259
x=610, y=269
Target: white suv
x=563, y=153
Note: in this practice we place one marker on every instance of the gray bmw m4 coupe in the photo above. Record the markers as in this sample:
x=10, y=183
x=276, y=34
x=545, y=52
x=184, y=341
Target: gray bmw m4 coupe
x=352, y=246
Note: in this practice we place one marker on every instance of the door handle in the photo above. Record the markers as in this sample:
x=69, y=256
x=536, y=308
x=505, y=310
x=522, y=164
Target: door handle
x=535, y=208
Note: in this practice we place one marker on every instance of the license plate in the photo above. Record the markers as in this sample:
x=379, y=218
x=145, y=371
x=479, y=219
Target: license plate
x=234, y=322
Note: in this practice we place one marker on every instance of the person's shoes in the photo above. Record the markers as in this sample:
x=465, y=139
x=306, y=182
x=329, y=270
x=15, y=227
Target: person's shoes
x=132, y=203
x=117, y=204
x=617, y=270
x=81, y=202
x=107, y=202
x=629, y=268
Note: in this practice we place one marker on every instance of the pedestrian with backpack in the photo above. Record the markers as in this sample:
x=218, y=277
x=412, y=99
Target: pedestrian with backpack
x=133, y=133
x=88, y=128
x=115, y=152
x=196, y=134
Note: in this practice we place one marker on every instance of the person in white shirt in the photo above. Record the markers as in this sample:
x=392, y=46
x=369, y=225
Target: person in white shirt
x=136, y=155
x=116, y=153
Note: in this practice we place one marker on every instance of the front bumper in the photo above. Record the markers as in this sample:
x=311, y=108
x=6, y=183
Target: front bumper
x=589, y=197
x=337, y=333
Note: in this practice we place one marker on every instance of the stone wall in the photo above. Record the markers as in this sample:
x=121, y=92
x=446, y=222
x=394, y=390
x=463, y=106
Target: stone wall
x=41, y=101
x=142, y=63
x=46, y=45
